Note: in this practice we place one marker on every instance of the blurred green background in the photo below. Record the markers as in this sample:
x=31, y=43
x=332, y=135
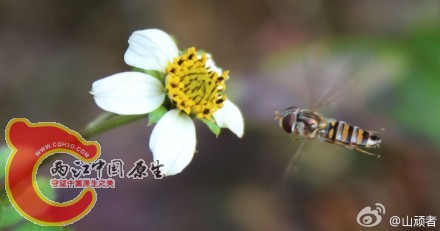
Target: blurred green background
x=378, y=60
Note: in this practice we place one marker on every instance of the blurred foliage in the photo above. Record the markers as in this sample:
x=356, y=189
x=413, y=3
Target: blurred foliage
x=413, y=101
x=29, y=226
x=9, y=217
x=4, y=154
x=418, y=105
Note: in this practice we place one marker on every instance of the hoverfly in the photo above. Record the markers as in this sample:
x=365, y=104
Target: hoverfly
x=312, y=125
x=308, y=124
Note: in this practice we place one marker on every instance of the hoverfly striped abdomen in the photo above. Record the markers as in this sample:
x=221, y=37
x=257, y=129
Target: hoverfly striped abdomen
x=347, y=135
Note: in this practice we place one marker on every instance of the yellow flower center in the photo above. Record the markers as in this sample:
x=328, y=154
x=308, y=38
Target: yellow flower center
x=192, y=87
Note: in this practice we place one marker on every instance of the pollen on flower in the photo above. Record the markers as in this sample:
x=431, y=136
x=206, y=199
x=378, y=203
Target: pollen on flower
x=192, y=87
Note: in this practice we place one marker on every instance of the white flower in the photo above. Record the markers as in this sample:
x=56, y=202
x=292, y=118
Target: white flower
x=193, y=85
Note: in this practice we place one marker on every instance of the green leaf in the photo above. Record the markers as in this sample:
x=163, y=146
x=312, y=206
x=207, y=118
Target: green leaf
x=29, y=226
x=4, y=154
x=9, y=216
x=156, y=115
x=212, y=125
x=45, y=187
x=4, y=201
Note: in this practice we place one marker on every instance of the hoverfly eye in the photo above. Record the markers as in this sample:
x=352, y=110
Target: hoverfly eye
x=291, y=109
x=288, y=121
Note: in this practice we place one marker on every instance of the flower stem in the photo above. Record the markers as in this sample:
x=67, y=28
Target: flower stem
x=108, y=121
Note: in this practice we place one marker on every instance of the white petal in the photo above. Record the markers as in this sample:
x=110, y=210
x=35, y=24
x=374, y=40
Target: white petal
x=212, y=66
x=229, y=116
x=173, y=142
x=150, y=49
x=128, y=93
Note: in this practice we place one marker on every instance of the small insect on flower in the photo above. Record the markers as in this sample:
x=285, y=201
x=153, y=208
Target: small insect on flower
x=172, y=87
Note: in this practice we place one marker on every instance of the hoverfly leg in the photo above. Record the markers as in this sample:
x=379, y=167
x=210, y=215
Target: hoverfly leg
x=294, y=160
x=296, y=138
x=367, y=153
x=379, y=131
